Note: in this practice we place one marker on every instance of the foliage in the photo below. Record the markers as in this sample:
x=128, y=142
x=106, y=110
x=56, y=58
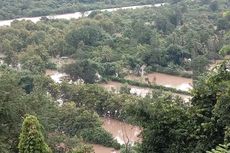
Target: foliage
x=20, y=96
x=31, y=137
x=170, y=39
x=87, y=35
x=176, y=38
x=165, y=123
x=171, y=126
x=60, y=142
x=85, y=70
x=73, y=120
x=97, y=99
x=99, y=136
x=220, y=149
x=225, y=50
x=15, y=9
x=210, y=100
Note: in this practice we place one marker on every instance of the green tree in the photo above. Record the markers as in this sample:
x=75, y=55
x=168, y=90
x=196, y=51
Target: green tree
x=221, y=149
x=214, y=5
x=73, y=119
x=89, y=35
x=211, y=102
x=199, y=65
x=85, y=70
x=31, y=137
x=165, y=123
x=176, y=54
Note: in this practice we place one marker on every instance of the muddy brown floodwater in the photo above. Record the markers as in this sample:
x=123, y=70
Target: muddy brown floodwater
x=102, y=149
x=121, y=131
x=139, y=91
x=166, y=80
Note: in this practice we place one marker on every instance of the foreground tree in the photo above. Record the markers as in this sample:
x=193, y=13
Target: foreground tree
x=31, y=138
x=211, y=102
x=221, y=149
x=165, y=122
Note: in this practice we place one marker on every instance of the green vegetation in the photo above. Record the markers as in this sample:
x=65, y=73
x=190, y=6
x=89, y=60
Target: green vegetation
x=169, y=126
x=21, y=8
x=98, y=99
x=181, y=37
x=100, y=136
x=30, y=97
x=31, y=137
x=220, y=149
x=169, y=39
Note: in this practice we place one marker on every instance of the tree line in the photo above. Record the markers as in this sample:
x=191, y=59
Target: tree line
x=175, y=39
x=32, y=8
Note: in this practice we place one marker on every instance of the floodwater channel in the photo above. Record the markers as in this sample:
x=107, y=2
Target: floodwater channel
x=121, y=131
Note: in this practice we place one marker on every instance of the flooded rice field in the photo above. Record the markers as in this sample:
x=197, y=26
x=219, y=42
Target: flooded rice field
x=139, y=91
x=166, y=80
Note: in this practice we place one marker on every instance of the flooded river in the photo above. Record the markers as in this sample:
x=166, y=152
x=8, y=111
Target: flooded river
x=75, y=15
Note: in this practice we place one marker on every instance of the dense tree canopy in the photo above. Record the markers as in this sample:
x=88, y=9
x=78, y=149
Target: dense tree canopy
x=170, y=126
x=182, y=38
x=21, y=8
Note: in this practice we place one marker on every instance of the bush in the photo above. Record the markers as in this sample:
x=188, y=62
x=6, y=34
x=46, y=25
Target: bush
x=99, y=136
